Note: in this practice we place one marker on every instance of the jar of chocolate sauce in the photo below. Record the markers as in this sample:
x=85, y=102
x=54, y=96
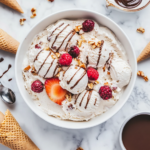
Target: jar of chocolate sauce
x=135, y=132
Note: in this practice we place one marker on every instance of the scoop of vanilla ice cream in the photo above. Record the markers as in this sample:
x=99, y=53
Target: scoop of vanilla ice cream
x=120, y=71
x=97, y=57
x=44, y=64
x=74, y=80
x=88, y=101
x=61, y=36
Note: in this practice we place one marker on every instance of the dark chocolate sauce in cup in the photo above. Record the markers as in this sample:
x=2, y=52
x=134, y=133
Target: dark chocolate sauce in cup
x=129, y=4
x=136, y=133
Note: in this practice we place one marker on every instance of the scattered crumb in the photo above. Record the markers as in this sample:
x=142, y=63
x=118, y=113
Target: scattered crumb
x=141, y=30
x=90, y=86
x=50, y=0
x=141, y=74
x=22, y=21
x=33, y=10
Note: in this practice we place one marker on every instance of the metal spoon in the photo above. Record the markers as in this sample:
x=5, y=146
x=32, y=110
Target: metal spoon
x=7, y=94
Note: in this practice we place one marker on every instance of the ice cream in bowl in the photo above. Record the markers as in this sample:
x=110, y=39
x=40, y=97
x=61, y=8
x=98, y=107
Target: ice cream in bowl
x=74, y=69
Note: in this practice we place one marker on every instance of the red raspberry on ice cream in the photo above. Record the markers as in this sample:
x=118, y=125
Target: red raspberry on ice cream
x=37, y=86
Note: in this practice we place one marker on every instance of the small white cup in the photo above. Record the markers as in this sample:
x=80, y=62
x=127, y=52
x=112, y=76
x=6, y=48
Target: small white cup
x=125, y=122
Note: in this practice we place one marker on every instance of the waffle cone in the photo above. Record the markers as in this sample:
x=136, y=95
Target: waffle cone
x=12, y=136
x=145, y=53
x=12, y=4
x=8, y=43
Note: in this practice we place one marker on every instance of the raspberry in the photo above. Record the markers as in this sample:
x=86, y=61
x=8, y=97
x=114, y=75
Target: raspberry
x=37, y=86
x=105, y=92
x=37, y=46
x=74, y=51
x=92, y=74
x=88, y=25
x=65, y=59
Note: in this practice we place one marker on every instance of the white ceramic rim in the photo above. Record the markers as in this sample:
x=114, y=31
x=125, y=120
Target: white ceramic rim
x=125, y=122
x=98, y=122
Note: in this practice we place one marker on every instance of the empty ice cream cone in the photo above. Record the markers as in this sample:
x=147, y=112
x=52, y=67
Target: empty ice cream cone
x=12, y=4
x=8, y=43
x=145, y=53
x=12, y=136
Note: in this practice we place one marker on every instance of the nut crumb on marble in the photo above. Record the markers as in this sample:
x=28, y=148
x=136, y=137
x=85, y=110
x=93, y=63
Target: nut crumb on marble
x=22, y=21
x=50, y=0
x=140, y=73
x=33, y=10
x=146, y=78
x=141, y=30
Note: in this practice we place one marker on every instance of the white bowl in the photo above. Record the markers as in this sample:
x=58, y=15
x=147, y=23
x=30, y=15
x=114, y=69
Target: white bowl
x=125, y=122
x=75, y=14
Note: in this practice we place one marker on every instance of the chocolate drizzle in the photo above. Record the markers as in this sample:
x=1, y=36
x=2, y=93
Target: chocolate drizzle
x=99, y=54
x=129, y=4
x=88, y=98
x=83, y=98
x=73, y=76
x=43, y=62
x=76, y=99
x=70, y=40
x=84, y=73
x=9, y=66
x=95, y=101
x=37, y=56
x=59, y=34
x=64, y=40
x=66, y=70
x=49, y=68
x=109, y=61
x=55, y=69
x=9, y=79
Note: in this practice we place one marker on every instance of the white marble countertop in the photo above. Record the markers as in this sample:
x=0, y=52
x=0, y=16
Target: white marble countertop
x=45, y=135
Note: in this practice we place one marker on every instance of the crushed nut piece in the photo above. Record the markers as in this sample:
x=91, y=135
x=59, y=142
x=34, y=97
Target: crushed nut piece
x=140, y=73
x=59, y=69
x=90, y=86
x=68, y=97
x=27, y=68
x=33, y=10
x=82, y=65
x=33, y=15
x=58, y=75
x=106, y=83
x=96, y=82
x=78, y=28
x=80, y=148
x=80, y=43
x=108, y=72
x=98, y=44
x=91, y=42
x=53, y=56
x=47, y=48
x=83, y=39
x=104, y=68
x=33, y=71
x=76, y=67
x=141, y=30
x=58, y=55
x=22, y=21
x=146, y=78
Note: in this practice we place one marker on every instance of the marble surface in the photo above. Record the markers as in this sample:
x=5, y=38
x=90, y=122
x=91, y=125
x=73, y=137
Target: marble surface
x=45, y=135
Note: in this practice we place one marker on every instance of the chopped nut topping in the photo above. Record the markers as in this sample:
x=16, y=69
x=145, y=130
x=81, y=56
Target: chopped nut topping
x=108, y=72
x=22, y=21
x=82, y=65
x=140, y=73
x=76, y=67
x=78, y=28
x=68, y=97
x=141, y=30
x=53, y=56
x=104, y=68
x=96, y=82
x=33, y=71
x=106, y=83
x=59, y=69
x=47, y=48
x=91, y=42
x=95, y=45
x=80, y=43
x=83, y=39
x=98, y=44
x=90, y=86
x=58, y=55
x=27, y=68
x=146, y=78
x=58, y=75
x=80, y=148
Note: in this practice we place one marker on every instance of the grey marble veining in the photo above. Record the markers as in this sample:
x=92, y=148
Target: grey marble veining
x=50, y=137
